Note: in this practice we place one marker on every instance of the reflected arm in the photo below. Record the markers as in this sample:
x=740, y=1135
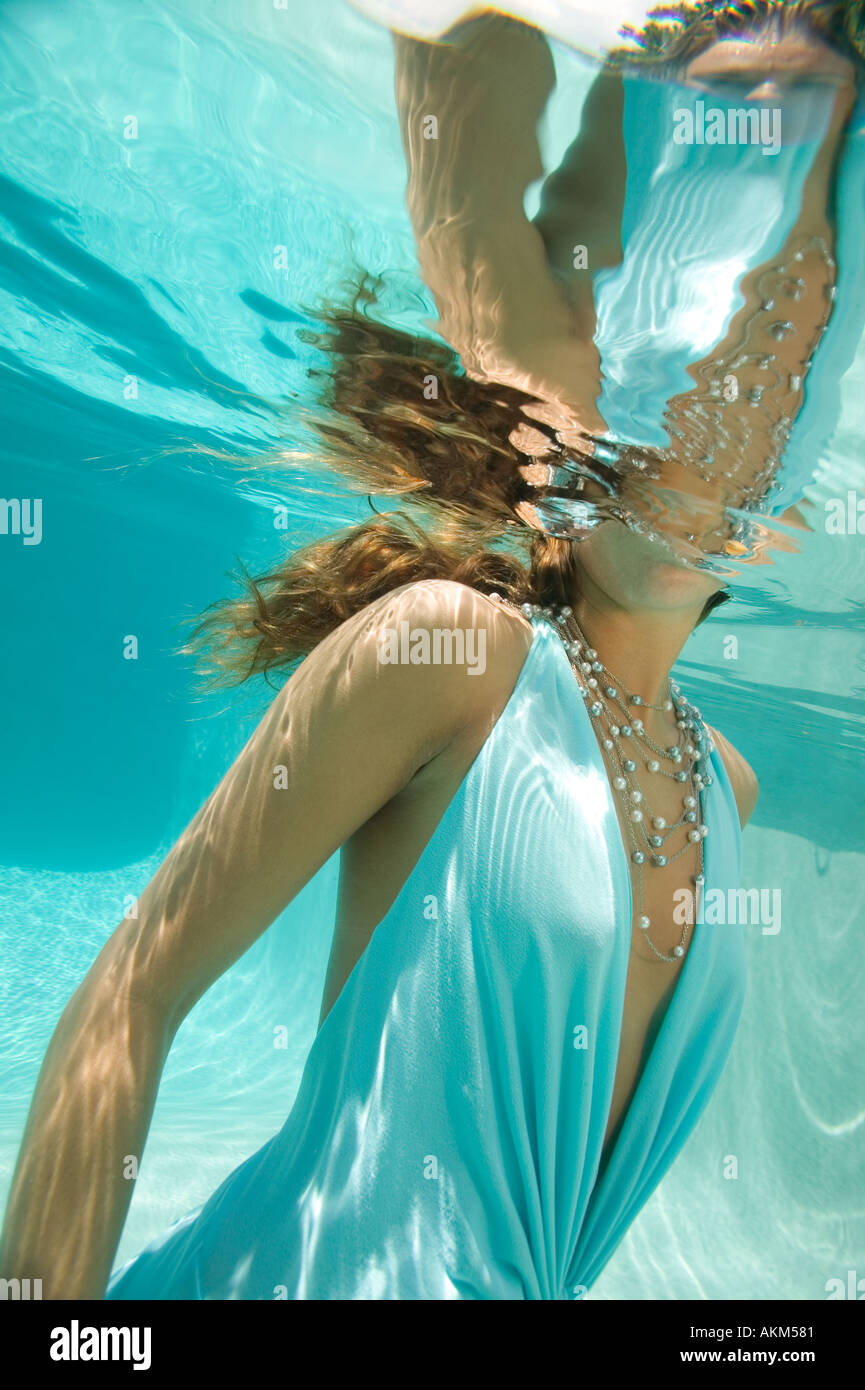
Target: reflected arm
x=469, y=108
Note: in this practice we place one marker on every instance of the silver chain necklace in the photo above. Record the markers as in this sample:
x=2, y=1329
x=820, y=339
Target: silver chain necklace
x=624, y=738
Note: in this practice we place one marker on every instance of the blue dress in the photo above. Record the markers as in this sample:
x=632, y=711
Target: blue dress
x=446, y=1138
x=696, y=218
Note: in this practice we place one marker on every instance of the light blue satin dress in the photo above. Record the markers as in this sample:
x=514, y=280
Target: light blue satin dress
x=696, y=219
x=446, y=1139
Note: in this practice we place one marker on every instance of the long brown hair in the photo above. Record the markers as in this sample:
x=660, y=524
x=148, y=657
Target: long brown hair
x=396, y=416
x=674, y=34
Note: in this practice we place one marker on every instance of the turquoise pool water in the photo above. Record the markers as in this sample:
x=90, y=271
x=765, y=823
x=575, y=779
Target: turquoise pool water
x=178, y=185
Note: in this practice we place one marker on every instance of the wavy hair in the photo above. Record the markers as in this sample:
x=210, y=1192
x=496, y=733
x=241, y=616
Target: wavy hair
x=674, y=34
x=398, y=416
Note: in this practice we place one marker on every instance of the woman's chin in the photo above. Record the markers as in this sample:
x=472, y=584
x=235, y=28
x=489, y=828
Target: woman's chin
x=675, y=586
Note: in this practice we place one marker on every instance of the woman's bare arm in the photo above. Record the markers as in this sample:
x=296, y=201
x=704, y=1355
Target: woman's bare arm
x=469, y=107
x=340, y=740
x=583, y=200
x=743, y=779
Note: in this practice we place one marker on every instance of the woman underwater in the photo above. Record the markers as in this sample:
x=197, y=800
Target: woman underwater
x=523, y=1016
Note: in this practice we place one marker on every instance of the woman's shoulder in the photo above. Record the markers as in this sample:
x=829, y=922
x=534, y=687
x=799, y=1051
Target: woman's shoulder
x=444, y=598
x=477, y=649
x=449, y=618
x=743, y=778
x=438, y=655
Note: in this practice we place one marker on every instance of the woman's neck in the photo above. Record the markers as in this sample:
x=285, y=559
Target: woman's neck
x=638, y=647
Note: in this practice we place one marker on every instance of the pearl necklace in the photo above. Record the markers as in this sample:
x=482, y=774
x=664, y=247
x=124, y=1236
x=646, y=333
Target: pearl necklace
x=620, y=737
